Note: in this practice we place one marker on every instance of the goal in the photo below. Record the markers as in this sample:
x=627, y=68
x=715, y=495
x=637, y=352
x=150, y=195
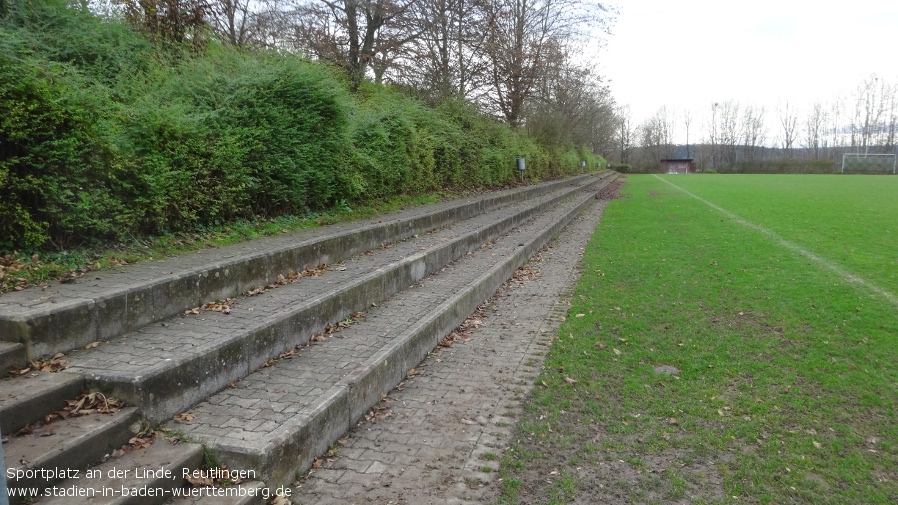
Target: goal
x=858, y=163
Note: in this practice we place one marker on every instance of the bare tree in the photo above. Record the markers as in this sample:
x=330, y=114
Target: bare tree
x=885, y=115
x=788, y=119
x=625, y=132
x=813, y=127
x=728, y=128
x=571, y=107
x=232, y=20
x=355, y=34
x=868, y=110
x=712, y=127
x=521, y=36
x=754, y=130
x=656, y=137
x=836, y=127
x=446, y=59
x=169, y=21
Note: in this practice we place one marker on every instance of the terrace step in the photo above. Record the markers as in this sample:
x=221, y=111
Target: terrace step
x=141, y=466
x=70, y=444
x=27, y=398
x=110, y=303
x=166, y=367
x=279, y=418
x=12, y=355
x=169, y=365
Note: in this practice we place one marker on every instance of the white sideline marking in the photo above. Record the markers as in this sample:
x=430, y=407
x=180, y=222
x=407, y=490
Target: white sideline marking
x=845, y=274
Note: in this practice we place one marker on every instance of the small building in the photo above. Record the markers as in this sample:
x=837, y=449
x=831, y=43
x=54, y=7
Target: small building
x=677, y=166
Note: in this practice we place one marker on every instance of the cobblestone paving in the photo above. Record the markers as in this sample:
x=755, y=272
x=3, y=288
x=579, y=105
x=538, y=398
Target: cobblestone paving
x=284, y=394
x=439, y=436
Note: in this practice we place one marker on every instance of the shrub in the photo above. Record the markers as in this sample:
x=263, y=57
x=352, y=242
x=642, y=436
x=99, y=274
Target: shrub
x=54, y=167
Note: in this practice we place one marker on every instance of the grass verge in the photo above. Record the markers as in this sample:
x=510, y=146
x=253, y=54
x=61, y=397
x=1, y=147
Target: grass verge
x=704, y=362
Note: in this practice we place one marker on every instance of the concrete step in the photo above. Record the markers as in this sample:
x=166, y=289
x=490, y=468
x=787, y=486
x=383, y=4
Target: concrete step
x=166, y=367
x=142, y=477
x=28, y=398
x=12, y=355
x=44, y=457
x=110, y=303
x=278, y=419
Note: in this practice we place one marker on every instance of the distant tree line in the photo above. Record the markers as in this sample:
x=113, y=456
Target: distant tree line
x=744, y=137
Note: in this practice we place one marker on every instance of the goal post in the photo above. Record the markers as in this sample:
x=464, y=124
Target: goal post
x=859, y=163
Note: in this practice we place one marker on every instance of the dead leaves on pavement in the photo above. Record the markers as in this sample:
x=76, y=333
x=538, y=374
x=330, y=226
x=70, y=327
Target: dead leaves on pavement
x=291, y=277
x=54, y=364
x=85, y=404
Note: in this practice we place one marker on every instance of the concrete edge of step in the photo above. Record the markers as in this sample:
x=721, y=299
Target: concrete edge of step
x=12, y=355
x=33, y=399
x=55, y=327
x=291, y=450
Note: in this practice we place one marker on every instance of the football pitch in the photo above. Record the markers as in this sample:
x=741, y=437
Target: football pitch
x=733, y=339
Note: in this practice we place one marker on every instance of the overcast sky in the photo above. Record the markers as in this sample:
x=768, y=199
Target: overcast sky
x=690, y=53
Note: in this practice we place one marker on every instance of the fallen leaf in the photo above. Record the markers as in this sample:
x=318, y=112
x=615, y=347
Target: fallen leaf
x=185, y=417
x=92, y=345
x=280, y=500
x=88, y=403
x=468, y=421
x=199, y=480
x=580, y=315
x=544, y=384
x=672, y=421
x=616, y=352
x=569, y=380
x=816, y=444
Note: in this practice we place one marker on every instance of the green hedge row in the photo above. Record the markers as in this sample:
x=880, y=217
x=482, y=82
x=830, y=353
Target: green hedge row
x=102, y=137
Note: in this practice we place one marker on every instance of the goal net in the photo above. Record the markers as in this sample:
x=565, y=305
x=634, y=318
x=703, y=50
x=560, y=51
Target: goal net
x=857, y=163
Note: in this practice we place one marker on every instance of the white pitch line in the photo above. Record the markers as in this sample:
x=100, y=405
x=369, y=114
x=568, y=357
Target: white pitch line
x=848, y=276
